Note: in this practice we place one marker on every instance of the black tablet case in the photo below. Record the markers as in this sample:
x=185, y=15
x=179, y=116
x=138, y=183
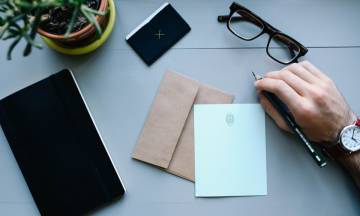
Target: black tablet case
x=58, y=148
x=146, y=43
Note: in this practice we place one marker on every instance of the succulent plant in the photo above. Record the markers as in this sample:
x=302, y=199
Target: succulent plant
x=20, y=19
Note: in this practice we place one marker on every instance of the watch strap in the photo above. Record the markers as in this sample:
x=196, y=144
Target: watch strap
x=335, y=152
x=357, y=123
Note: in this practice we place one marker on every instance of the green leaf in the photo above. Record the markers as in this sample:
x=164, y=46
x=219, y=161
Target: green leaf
x=32, y=34
x=17, y=18
x=47, y=4
x=9, y=36
x=95, y=12
x=13, y=30
x=32, y=42
x=12, y=46
x=72, y=21
x=4, y=29
x=24, y=4
x=2, y=9
x=91, y=18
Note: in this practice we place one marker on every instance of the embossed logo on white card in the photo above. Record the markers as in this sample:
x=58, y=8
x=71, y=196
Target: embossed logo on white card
x=230, y=119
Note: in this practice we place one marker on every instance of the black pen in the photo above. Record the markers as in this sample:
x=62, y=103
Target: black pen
x=283, y=111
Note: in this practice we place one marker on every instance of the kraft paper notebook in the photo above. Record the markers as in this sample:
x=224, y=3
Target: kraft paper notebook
x=167, y=138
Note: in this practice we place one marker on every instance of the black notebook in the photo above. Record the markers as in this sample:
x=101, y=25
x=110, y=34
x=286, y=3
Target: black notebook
x=158, y=33
x=58, y=147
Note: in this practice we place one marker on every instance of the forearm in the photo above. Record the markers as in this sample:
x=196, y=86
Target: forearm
x=352, y=164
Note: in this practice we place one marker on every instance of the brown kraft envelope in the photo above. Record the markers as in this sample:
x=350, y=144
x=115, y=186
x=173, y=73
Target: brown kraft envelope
x=167, y=138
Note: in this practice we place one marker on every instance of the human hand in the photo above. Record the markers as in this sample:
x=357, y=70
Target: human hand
x=312, y=98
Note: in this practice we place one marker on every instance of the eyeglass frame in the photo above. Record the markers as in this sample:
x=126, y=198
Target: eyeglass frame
x=267, y=28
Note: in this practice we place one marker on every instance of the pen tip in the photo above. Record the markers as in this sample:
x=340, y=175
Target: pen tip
x=253, y=74
x=257, y=77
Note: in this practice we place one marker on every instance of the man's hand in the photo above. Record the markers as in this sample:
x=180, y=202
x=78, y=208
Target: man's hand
x=312, y=98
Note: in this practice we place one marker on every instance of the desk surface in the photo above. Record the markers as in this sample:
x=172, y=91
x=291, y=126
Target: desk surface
x=119, y=90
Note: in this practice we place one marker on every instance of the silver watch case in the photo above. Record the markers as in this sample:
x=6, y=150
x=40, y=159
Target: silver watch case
x=348, y=150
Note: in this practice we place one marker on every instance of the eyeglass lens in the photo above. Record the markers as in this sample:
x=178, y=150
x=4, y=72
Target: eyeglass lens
x=282, y=48
x=245, y=25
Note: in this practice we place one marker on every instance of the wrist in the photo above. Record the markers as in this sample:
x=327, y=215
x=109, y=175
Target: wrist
x=350, y=161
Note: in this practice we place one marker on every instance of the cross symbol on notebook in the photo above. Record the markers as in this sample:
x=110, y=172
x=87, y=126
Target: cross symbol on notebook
x=159, y=34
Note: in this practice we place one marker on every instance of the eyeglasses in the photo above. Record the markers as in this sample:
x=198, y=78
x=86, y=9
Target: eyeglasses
x=248, y=26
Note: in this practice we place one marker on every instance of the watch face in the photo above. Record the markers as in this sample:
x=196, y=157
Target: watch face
x=350, y=138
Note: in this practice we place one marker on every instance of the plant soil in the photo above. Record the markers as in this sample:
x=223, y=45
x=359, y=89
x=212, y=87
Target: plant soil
x=57, y=19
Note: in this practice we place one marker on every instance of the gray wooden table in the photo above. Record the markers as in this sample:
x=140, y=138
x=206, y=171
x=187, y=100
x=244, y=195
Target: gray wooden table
x=119, y=90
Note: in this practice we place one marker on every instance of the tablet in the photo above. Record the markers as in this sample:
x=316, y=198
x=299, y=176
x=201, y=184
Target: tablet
x=58, y=147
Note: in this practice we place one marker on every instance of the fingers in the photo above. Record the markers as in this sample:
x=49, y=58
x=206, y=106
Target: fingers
x=312, y=69
x=296, y=83
x=272, y=112
x=282, y=90
x=302, y=73
x=301, y=77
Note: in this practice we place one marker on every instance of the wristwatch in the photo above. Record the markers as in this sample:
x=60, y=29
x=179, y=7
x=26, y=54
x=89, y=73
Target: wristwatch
x=348, y=141
x=349, y=138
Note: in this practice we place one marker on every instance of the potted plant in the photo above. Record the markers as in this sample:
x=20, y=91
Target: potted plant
x=69, y=26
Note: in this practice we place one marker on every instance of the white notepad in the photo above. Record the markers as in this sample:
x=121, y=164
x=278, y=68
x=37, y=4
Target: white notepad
x=230, y=150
